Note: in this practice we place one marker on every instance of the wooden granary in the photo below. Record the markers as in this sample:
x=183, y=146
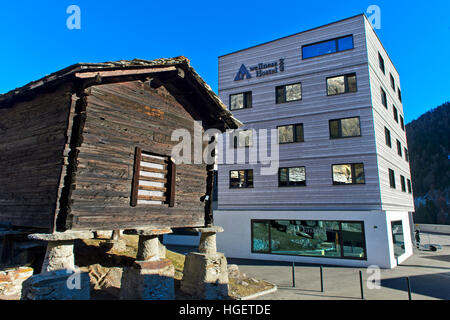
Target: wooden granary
x=89, y=148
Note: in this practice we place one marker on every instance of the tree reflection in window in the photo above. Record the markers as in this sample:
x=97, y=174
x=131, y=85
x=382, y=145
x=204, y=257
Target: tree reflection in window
x=345, y=128
x=288, y=177
x=290, y=133
x=348, y=173
x=241, y=178
x=341, y=84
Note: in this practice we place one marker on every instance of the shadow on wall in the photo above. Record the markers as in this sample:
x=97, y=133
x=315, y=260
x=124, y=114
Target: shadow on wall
x=432, y=285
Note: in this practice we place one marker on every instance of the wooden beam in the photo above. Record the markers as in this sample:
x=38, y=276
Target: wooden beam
x=154, y=170
x=136, y=171
x=152, y=179
x=152, y=188
x=172, y=182
x=151, y=198
x=115, y=73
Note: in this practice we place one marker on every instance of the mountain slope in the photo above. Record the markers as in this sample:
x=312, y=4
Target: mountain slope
x=429, y=149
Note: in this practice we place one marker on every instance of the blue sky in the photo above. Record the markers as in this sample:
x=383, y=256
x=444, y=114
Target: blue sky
x=36, y=42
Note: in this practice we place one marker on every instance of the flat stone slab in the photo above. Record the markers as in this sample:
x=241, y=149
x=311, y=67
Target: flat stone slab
x=212, y=229
x=159, y=264
x=61, y=236
x=149, y=232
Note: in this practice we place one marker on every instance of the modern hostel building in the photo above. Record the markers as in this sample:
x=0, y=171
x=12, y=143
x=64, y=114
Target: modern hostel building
x=342, y=194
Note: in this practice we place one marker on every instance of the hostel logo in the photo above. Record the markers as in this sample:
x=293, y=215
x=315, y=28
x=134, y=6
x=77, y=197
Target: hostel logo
x=243, y=72
x=260, y=70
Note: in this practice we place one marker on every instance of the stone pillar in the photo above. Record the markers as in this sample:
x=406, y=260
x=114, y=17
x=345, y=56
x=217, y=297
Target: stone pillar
x=58, y=278
x=205, y=274
x=59, y=254
x=152, y=275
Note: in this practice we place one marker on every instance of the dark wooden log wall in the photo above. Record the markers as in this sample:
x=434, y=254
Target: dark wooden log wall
x=32, y=139
x=119, y=118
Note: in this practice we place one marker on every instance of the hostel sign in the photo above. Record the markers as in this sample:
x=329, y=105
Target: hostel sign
x=260, y=70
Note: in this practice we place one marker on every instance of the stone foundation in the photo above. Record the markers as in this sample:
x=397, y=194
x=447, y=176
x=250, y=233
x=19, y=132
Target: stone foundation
x=148, y=280
x=57, y=285
x=11, y=281
x=205, y=276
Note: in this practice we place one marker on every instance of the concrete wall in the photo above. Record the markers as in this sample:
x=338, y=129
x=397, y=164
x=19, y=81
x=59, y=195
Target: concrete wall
x=235, y=241
x=433, y=228
x=408, y=241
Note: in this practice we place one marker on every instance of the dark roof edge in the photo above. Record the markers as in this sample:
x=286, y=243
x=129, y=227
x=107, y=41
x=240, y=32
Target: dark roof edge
x=69, y=74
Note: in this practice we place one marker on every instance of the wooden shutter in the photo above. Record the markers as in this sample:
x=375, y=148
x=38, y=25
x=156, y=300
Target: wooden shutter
x=153, y=179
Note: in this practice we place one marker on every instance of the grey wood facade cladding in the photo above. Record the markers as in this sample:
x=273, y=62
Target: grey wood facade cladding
x=71, y=146
x=318, y=152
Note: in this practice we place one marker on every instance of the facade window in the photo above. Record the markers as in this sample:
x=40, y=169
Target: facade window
x=290, y=133
x=288, y=93
x=384, y=98
x=292, y=177
x=387, y=135
x=394, y=110
x=352, y=173
x=399, y=94
x=392, y=82
x=153, y=180
x=241, y=179
x=327, y=239
x=341, y=84
x=402, y=123
x=242, y=138
x=406, y=154
x=392, y=178
x=241, y=100
x=327, y=47
x=409, y=186
x=399, y=148
x=381, y=63
x=345, y=128
x=397, y=238
x=403, y=183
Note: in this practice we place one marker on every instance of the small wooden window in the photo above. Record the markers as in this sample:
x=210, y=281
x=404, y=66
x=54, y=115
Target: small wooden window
x=153, y=179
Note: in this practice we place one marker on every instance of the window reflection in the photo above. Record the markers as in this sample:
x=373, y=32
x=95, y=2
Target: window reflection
x=344, y=128
x=397, y=238
x=341, y=84
x=327, y=47
x=241, y=179
x=332, y=239
x=295, y=176
x=353, y=240
x=352, y=173
x=290, y=133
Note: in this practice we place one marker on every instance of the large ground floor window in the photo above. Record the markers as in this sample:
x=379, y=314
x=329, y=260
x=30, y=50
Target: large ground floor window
x=329, y=239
